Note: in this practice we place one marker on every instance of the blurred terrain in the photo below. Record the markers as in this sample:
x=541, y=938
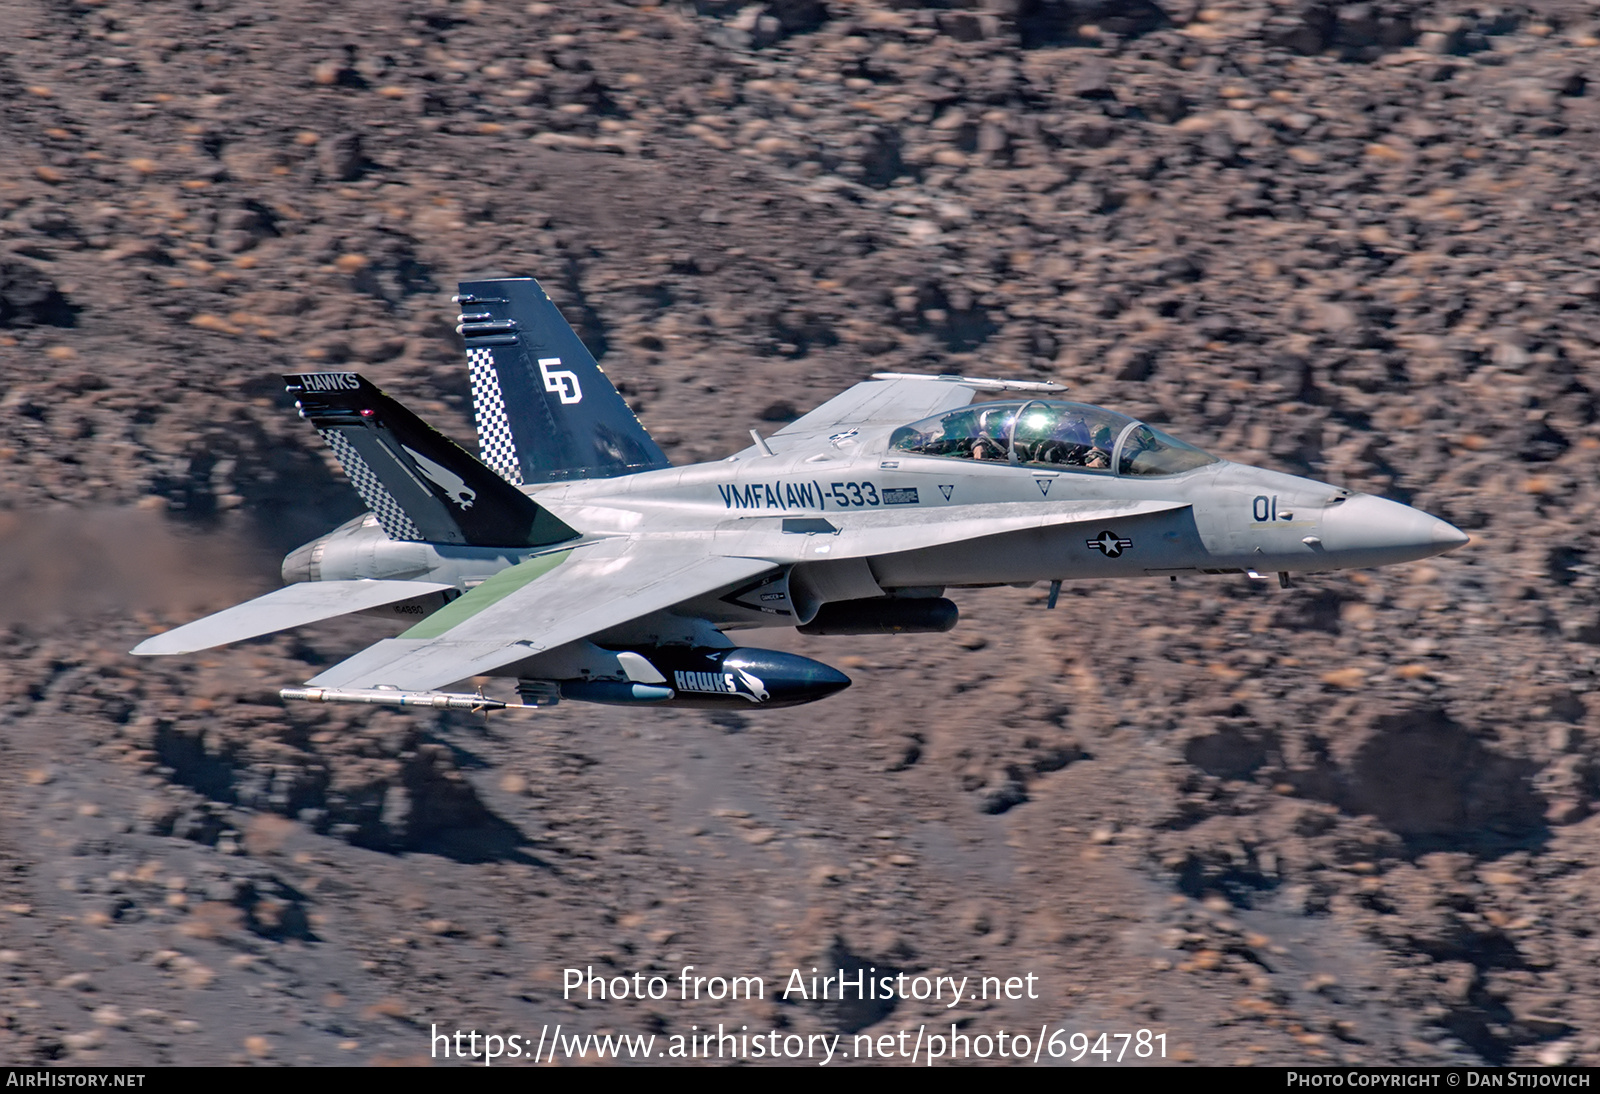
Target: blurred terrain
x=1348, y=822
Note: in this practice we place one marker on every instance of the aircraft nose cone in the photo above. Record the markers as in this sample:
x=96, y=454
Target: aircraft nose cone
x=1448, y=536
x=1368, y=531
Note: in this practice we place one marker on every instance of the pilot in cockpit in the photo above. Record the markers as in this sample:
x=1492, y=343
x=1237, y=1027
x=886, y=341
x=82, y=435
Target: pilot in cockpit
x=1099, y=456
x=990, y=442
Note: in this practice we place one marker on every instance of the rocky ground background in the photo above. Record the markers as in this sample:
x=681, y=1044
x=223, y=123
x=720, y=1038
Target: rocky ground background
x=1348, y=822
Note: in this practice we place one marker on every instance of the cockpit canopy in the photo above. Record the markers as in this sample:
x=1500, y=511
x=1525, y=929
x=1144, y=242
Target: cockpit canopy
x=1050, y=434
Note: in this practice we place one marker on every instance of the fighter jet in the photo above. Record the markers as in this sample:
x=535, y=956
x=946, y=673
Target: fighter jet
x=573, y=558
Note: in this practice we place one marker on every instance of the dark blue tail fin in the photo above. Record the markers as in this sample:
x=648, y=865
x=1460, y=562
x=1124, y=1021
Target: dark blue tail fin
x=545, y=410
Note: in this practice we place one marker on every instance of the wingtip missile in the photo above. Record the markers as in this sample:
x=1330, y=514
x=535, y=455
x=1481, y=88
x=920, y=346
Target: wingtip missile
x=391, y=697
x=979, y=383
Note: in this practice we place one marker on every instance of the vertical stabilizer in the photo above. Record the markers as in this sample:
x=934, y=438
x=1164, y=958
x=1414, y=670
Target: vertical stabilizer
x=545, y=410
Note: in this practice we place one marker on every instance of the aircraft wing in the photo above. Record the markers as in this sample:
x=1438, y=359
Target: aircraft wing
x=897, y=398
x=290, y=606
x=547, y=601
x=876, y=403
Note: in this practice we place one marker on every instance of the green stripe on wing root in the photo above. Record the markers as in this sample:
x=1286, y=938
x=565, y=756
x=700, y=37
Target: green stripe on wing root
x=493, y=590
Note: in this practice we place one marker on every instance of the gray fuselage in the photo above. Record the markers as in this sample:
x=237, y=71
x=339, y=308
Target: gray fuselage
x=929, y=522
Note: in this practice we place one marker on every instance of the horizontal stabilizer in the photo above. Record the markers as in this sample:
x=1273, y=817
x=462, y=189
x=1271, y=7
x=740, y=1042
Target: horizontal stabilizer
x=290, y=606
x=418, y=483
